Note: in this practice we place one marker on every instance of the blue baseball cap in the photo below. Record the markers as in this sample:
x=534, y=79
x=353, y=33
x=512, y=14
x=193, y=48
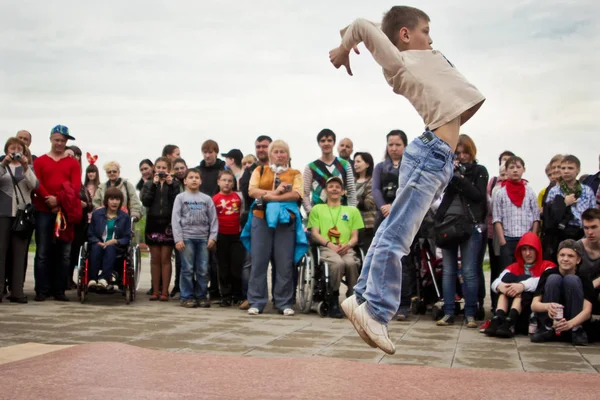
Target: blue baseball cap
x=63, y=130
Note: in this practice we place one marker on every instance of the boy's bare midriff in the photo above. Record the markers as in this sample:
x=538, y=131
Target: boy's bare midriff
x=449, y=132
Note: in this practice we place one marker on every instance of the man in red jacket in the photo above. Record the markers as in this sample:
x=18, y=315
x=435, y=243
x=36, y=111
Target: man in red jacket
x=516, y=285
x=52, y=254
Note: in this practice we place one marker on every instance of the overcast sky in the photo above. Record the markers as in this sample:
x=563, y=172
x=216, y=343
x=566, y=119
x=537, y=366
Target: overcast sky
x=128, y=77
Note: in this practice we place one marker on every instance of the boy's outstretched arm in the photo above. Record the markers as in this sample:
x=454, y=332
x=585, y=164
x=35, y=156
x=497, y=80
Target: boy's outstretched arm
x=378, y=44
x=340, y=56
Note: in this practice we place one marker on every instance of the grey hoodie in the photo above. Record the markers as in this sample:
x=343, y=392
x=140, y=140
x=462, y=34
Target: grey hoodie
x=194, y=217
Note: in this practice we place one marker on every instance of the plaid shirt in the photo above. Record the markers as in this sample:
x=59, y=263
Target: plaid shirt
x=516, y=221
x=598, y=197
x=587, y=200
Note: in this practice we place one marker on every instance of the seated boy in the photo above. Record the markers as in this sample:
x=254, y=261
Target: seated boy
x=515, y=287
x=334, y=228
x=563, y=299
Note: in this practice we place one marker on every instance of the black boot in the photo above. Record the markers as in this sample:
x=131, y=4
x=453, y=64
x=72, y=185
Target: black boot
x=334, y=306
x=506, y=329
x=494, y=323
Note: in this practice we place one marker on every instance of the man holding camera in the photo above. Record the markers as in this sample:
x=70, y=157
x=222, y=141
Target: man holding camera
x=52, y=254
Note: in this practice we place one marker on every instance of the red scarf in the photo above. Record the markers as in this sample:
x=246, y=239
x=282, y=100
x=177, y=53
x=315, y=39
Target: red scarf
x=515, y=191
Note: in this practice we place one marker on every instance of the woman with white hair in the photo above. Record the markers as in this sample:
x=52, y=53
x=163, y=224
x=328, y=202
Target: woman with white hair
x=131, y=202
x=274, y=232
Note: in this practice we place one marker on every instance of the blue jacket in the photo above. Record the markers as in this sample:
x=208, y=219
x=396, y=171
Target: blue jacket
x=97, y=227
x=279, y=213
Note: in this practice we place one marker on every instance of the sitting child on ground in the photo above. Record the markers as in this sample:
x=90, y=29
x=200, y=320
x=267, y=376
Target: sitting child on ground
x=515, y=287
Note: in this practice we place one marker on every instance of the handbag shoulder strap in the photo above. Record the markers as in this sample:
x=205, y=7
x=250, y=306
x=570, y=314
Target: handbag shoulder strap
x=16, y=185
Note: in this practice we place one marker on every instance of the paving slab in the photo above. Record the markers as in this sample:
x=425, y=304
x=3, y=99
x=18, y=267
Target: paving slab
x=167, y=326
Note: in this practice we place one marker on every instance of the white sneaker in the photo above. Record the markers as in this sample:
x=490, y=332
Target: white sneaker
x=376, y=331
x=349, y=306
x=253, y=311
x=288, y=312
x=102, y=283
x=91, y=284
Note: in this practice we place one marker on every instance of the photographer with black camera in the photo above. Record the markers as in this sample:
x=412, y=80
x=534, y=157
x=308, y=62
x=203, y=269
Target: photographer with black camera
x=158, y=196
x=460, y=224
x=17, y=181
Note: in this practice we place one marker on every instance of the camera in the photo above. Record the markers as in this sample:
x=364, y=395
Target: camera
x=389, y=192
x=16, y=156
x=162, y=175
x=460, y=168
x=259, y=204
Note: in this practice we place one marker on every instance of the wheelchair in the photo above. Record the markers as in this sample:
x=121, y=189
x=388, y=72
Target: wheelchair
x=314, y=288
x=126, y=271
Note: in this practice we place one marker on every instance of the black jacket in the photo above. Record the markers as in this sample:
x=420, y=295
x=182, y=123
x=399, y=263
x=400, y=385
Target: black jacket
x=159, y=200
x=245, y=185
x=472, y=188
x=210, y=177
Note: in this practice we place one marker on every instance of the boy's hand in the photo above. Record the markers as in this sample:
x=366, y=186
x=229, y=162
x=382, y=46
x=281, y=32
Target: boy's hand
x=211, y=245
x=180, y=246
x=570, y=200
x=563, y=325
x=340, y=56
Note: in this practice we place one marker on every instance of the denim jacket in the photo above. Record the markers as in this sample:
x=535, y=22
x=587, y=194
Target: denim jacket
x=97, y=228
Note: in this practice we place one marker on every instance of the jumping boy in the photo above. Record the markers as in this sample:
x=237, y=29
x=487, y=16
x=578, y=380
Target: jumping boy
x=445, y=100
x=195, y=227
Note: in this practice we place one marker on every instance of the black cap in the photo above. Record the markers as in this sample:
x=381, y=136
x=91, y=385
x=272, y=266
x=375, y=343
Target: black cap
x=570, y=244
x=337, y=179
x=236, y=154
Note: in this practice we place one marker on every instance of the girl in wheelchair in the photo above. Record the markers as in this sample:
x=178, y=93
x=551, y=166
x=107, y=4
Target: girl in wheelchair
x=109, y=234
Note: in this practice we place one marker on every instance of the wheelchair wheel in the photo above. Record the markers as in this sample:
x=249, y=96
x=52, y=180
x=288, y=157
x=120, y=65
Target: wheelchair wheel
x=305, y=284
x=322, y=309
x=137, y=267
x=81, y=281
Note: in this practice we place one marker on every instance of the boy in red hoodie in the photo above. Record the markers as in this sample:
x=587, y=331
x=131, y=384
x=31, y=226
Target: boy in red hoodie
x=516, y=285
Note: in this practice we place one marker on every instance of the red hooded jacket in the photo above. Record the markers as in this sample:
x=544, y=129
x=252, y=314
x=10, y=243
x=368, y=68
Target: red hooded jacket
x=518, y=268
x=70, y=205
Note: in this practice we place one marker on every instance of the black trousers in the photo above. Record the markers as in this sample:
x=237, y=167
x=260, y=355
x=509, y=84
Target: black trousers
x=231, y=255
x=495, y=270
x=17, y=246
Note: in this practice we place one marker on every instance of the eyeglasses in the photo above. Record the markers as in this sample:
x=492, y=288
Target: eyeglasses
x=112, y=171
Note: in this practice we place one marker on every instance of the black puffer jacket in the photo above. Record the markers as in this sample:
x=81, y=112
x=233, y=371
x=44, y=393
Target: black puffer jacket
x=472, y=187
x=158, y=199
x=210, y=176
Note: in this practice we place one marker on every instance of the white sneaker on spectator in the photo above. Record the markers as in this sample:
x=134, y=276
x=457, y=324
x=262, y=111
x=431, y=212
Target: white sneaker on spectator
x=91, y=284
x=253, y=311
x=376, y=331
x=288, y=312
x=102, y=283
x=349, y=306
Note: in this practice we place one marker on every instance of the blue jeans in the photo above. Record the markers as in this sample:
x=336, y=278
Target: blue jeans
x=425, y=171
x=469, y=253
x=194, y=262
x=102, y=259
x=52, y=257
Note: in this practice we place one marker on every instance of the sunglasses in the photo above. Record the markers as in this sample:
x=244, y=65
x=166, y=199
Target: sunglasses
x=112, y=171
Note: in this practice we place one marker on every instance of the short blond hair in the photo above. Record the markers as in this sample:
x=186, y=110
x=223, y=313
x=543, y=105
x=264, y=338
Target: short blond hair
x=249, y=158
x=110, y=164
x=279, y=144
